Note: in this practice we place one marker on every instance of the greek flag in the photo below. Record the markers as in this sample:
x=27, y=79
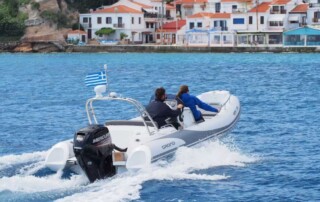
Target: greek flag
x=94, y=79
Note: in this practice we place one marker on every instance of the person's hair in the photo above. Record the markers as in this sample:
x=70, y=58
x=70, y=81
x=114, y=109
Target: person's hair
x=159, y=93
x=183, y=89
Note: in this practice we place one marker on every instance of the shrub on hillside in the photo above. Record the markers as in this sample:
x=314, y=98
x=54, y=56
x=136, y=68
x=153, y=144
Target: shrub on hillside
x=35, y=5
x=11, y=23
x=59, y=18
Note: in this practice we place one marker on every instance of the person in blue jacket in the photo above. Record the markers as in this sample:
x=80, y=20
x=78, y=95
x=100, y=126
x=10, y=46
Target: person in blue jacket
x=192, y=101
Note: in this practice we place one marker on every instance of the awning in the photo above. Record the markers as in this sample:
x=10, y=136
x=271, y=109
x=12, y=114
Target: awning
x=276, y=18
x=294, y=18
x=196, y=30
x=150, y=10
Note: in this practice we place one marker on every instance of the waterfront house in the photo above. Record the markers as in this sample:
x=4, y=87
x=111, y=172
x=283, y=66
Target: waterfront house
x=170, y=32
x=137, y=20
x=120, y=18
x=263, y=27
x=76, y=36
x=298, y=16
x=303, y=36
x=313, y=13
x=209, y=29
x=186, y=8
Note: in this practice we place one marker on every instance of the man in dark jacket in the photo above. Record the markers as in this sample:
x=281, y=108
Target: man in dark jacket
x=160, y=111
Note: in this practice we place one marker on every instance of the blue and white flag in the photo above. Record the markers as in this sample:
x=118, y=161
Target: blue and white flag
x=94, y=79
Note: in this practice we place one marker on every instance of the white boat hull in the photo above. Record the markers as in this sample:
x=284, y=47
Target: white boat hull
x=144, y=149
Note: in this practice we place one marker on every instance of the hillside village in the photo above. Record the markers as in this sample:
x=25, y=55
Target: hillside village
x=52, y=25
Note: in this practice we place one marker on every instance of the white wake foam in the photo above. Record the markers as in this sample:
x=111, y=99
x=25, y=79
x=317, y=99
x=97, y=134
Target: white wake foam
x=11, y=160
x=127, y=186
x=25, y=181
x=32, y=184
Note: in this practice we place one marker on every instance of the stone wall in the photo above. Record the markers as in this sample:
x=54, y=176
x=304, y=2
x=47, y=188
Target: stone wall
x=56, y=46
x=169, y=49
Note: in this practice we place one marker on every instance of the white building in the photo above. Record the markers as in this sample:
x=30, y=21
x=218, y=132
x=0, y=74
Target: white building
x=137, y=19
x=297, y=17
x=77, y=36
x=314, y=13
x=120, y=18
x=209, y=29
x=186, y=8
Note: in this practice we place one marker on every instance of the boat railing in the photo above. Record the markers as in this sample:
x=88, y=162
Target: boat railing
x=224, y=104
x=140, y=108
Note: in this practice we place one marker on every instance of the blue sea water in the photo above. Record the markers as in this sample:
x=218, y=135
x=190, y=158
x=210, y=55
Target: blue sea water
x=272, y=155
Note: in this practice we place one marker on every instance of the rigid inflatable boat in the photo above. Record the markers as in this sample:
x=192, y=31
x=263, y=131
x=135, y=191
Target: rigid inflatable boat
x=102, y=150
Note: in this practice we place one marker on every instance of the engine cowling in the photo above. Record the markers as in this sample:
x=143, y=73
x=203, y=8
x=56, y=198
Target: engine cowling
x=93, y=149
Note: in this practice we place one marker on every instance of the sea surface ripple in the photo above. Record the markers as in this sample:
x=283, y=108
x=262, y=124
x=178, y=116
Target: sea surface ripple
x=272, y=155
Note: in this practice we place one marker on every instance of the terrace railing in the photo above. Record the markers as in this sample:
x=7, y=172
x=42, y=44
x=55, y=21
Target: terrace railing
x=118, y=25
x=314, y=5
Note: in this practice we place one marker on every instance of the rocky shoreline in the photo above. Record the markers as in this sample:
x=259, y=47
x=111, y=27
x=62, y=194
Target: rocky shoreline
x=54, y=46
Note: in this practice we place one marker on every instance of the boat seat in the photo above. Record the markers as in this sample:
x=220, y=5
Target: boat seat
x=127, y=123
x=188, y=118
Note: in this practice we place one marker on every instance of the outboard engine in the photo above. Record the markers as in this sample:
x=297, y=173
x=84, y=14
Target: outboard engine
x=93, y=148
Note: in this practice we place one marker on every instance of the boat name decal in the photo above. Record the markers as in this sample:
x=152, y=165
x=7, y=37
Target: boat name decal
x=235, y=111
x=168, y=145
x=99, y=138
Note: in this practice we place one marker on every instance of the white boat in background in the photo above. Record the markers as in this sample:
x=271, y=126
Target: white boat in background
x=104, y=149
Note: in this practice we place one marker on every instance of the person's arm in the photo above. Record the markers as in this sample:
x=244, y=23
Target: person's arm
x=204, y=105
x=171, y=113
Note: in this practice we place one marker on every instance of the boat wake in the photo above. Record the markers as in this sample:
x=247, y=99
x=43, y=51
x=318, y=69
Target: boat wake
x=185, y=165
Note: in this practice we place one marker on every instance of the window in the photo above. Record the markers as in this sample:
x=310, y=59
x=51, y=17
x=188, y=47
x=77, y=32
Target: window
x=139, y=20
x=85, y=20
x=275, y=23
x=132, y=20
x=250, y=20
x=234, y=7
x=147, y=25
x=275, y=9
x=199, y=24
x=191, y=25
x=261, y=20
x=275, y=39
x=238, y=21
x=151, y=25
x=218, y=7
x=99, y=20
x=108, y=20
x=220, y=25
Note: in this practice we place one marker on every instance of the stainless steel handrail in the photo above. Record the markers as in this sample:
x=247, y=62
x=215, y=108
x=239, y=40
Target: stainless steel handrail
x=141, y=109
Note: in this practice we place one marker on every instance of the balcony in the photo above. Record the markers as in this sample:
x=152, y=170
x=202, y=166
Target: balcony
x=220, y=28
x=302, y=24
x=86, y=25
x=239, y=10
x=118, y=25
x=278, y=12
x=150, y=15
x=314, y=5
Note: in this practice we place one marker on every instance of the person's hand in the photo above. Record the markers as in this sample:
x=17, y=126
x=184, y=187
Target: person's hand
x=180, y=106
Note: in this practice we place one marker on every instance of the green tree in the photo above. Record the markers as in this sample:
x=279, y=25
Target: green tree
x=59, y=18
x=11, y=21
x=105, y=31
x=123, y=35
x=76, y=26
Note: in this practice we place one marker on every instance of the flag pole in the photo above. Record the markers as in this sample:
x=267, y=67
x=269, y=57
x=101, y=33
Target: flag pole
x=105, y=70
